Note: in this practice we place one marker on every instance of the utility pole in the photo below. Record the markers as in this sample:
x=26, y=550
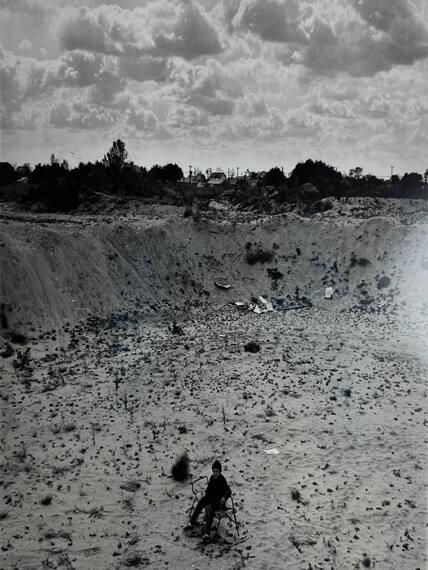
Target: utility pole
x=190, y=174
x=392, y=170
x=237, y=172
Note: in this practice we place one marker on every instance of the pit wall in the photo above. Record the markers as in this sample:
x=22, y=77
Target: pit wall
x=58, y=273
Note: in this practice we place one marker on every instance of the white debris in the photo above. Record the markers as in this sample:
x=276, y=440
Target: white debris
x=221, y=285
x=328, y=293
x=272, y=451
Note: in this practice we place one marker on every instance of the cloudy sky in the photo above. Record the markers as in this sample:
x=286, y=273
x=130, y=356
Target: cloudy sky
x=211, y=83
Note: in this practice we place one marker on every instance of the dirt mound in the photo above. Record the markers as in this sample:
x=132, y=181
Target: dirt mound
x=58, y=270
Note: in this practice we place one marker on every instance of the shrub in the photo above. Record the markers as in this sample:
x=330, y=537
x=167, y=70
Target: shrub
x=46, y=500
x=295, y=495
x=383, y=282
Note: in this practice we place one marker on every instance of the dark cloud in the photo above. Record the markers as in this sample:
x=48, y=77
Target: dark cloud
x=193, y=36
x=88, y=31
x=271, y=20
x=359, y=50
x=107, y=85
x=82, y=67
x=406, y=31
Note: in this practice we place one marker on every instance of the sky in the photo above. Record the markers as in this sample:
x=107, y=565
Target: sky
x=217, y=84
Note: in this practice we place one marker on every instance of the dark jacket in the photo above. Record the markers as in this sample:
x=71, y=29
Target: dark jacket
x=217, y=488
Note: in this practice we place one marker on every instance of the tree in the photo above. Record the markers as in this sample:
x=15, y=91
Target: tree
x=275, y=177
x=116, y=156
x=171, y=173
x=411, y=180
x=316, y=172
x=356, y=172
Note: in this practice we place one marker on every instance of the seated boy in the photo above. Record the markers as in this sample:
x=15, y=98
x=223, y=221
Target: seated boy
x=215, y=498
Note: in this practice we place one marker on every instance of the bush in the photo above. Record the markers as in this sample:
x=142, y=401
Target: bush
x=259, y=256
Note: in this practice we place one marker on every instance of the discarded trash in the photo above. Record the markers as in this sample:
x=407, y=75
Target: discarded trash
x=272, y=451
x=269, y=306
x=328, y=294
x=292, y=307
x=252, y=347
x=263, y=300
x=221, y=285
x=240, y=304
x=381, y=304
x=257, y=310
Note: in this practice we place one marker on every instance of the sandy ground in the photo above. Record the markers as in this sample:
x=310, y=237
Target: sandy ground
x=96, y=412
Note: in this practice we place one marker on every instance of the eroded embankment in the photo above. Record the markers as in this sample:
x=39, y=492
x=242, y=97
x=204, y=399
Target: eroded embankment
x=70, y=269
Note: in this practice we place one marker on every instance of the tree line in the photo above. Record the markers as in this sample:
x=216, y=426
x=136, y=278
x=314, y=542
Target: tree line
x=59, y=187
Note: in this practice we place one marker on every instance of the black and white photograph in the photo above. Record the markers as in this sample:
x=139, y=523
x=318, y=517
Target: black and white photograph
x=213, y=284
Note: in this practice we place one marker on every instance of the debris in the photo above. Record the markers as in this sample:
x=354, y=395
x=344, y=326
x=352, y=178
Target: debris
x=240, y=305
x=289, y=307
x=328, y=293
x=221, y=285
x=252, y=347
x=272, y=451
x=257, y=310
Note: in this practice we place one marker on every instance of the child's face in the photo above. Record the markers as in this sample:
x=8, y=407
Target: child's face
x=216, y=473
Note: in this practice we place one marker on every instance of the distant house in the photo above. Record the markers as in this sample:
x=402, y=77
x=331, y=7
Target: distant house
x=216, y=178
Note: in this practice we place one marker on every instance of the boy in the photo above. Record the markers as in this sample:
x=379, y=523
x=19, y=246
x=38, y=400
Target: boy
x=215, y=498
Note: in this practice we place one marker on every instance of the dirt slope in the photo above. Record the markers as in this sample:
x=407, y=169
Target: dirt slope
x=61, y=269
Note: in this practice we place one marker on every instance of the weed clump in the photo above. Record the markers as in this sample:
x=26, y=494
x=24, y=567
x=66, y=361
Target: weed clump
x=180, y=469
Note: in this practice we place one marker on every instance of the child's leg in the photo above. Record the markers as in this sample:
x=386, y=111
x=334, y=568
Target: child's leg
x=201, y=504
x=210, y=517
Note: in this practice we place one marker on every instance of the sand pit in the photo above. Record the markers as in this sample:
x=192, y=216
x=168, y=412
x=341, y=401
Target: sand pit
x=99, y=397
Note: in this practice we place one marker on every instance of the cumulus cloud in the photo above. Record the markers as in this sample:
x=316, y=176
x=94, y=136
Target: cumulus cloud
x=302, y=125
x=145, y=68
x=80, y=115
x=213, y=105
x=142, y=120
x=25, y=46
x=405, y=28
x=181, y=115
x=192, y=36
